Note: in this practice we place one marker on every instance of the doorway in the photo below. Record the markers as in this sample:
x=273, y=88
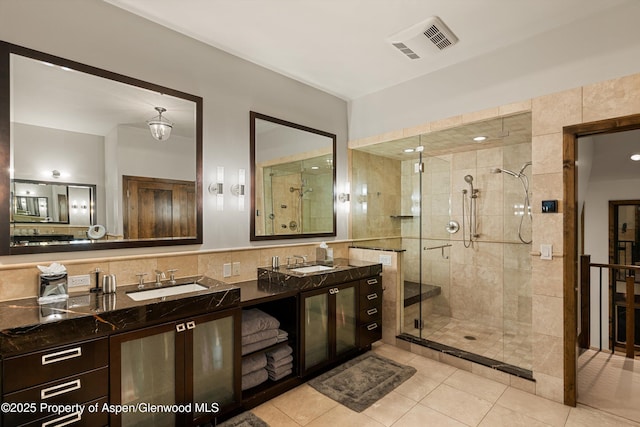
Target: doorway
x=574, y=138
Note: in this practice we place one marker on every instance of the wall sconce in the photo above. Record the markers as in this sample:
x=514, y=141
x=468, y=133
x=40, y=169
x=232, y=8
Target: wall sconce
x=344, y=197
x=217, y=188
x=238, y=189
x=159, y=126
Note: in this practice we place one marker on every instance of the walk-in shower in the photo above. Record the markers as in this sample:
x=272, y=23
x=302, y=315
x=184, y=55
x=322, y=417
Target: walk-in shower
x=464, y=271
x=525, y=209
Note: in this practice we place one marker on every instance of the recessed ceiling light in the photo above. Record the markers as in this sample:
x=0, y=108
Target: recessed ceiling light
x=480, y=138
x=409, y=150
x=315, y=167
x=635, y=157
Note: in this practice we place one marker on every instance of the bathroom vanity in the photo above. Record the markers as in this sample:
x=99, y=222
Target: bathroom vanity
x=109, y=351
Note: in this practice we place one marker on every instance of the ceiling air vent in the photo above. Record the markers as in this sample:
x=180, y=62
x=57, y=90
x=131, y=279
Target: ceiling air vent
x=424, y=38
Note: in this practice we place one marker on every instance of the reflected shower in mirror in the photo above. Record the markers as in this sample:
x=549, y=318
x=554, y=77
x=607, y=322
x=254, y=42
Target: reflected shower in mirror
x=82, y=154
x=294, y=179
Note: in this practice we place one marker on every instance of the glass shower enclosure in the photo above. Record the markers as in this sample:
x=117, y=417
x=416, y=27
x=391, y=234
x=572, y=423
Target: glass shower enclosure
x=463, y=223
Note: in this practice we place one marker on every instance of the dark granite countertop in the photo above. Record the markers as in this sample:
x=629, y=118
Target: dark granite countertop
x=342, y=271
x=27, y=326
x=255, y=292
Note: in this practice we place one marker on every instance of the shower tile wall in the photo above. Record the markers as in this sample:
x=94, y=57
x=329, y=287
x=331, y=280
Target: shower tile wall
x=375, y=196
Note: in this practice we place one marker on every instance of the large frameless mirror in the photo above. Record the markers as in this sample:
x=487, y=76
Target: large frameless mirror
x=293, y=171
x=84, y=171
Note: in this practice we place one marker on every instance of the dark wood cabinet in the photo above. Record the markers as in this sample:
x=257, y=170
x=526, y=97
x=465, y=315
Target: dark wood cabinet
x=190, y=365
x=70, y=374
x=370, y=312
x=328, y=325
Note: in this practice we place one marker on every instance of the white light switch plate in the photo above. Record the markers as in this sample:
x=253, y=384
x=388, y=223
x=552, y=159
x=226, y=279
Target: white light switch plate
x=385, y=259
x=546, y=251
x=226, y=270
x=79, y=280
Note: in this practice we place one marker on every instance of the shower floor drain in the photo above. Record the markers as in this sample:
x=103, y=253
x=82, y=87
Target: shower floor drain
x=469, y=337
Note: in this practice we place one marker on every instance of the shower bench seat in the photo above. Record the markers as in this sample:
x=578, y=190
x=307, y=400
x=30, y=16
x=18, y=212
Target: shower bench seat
x=412, y=293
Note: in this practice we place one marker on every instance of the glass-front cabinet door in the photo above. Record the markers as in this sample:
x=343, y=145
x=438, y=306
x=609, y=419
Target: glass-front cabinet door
x=212, y=348
x=190, y=364
x=145, y=372
x=345, y=315
x=316, y=329
x=329, y=324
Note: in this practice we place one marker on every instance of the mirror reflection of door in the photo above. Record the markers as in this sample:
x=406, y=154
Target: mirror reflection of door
x=63, y=207
x=158, y=208
x=624, y=249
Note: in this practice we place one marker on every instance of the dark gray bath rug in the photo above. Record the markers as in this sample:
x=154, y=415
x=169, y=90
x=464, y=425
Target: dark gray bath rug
x=360, y=382
x=245, y=419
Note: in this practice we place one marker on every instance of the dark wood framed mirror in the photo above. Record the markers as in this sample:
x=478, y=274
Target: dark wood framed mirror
x=62, y=121
x=293, y=179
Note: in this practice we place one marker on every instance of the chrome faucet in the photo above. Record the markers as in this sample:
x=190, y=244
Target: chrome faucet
x=159, y=276
x=302, y=257
x=172, y=275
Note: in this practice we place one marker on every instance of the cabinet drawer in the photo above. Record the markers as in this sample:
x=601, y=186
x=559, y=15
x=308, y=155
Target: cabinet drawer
x=370, y=296
x=370, y=333
x=75, y=389
x=370, y=314
x=48, y=365
x=76, y=419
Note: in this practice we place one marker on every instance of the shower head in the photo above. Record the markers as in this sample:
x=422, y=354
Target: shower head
x=507, y=171
x=468, y=179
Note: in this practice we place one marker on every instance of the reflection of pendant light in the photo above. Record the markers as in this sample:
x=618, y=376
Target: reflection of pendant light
x=159, y=126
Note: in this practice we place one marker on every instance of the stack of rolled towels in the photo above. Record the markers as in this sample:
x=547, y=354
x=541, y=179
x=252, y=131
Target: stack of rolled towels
x=279, y=362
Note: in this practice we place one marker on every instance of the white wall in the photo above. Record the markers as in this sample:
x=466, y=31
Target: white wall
x=508, y=75
x=596, y=222
x=98, y=34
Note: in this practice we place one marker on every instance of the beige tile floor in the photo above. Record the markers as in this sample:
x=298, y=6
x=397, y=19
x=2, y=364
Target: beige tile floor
x=511, y=344
x=437, y=395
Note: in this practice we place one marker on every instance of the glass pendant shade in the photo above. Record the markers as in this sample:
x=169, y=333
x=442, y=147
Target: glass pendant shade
x=159, y=126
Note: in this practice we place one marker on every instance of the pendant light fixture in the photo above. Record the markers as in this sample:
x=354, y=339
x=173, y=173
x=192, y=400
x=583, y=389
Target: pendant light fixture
x=159, y=126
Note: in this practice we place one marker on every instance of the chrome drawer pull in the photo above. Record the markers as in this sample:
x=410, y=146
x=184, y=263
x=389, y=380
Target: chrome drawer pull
x=64, y=420
x=372, y=326
x=372, y=311
x=372, y=296
x=56, y=390
x=180, y=327
x=372, y=281
x=191, y=325
x=59, y=356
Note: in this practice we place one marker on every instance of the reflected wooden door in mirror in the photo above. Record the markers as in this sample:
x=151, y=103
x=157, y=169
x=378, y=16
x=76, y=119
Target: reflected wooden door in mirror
x=294, y=176
x=63, y=121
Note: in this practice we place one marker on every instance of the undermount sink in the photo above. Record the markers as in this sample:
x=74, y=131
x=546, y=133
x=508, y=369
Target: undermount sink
x=311, y=269
x=165, y=292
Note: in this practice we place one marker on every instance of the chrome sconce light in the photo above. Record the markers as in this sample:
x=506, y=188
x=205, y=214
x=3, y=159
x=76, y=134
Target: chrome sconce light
x=238, y=189
x=344, y=197
x=159, y=126
x=217, y=188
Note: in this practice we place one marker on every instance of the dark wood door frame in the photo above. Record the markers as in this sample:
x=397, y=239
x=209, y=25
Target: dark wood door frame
x=570, y=226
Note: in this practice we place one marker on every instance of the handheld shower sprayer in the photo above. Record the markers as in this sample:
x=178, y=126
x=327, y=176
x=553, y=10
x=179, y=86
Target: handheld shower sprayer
x=526, y=206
